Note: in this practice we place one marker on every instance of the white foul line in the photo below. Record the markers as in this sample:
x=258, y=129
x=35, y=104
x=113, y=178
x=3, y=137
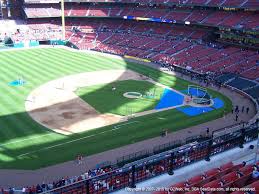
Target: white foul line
x=119, y=126
x=68, y=142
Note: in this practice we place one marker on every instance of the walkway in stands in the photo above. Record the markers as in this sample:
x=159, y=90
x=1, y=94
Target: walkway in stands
x=19, y=178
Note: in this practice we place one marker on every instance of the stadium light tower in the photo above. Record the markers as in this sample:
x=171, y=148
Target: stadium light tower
x=63, y=19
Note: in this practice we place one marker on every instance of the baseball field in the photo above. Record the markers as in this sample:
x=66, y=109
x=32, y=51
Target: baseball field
x=56, y=104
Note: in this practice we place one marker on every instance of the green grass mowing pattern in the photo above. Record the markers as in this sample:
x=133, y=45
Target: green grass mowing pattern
x=104, y=100
x=38, y=66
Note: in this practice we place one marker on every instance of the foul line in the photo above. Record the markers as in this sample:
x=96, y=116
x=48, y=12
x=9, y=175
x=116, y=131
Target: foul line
x=68, y=142
x=119, y=126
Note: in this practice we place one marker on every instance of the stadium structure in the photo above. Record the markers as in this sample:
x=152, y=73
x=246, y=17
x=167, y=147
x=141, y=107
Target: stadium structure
x=129, y=96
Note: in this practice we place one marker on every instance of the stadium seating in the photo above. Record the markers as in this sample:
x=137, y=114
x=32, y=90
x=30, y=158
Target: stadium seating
x=157, y=42
x=211, y=17
x=229, y=3
x=226, y=176
x=167, y=44
x=107, y=179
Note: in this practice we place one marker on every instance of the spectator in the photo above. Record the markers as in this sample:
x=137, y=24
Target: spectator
x=79, y=159
x=24, y=190
x=38, y=189
x=243, y=109
x=224, y=114
x=247, y=110
x=236, y=109
x=11, y=191
x=236, y=117
x=208, y=131
x=255, y=173
x=148, y=172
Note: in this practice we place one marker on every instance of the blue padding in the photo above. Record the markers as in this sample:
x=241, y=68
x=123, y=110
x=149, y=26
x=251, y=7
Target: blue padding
x=218, y=103
x=194, y=111
x=169, y=99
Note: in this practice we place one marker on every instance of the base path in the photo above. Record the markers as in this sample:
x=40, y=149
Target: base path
x=56, y=106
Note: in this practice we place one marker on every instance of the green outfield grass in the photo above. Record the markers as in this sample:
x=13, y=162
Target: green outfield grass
x=24, y=144
x=104, y=100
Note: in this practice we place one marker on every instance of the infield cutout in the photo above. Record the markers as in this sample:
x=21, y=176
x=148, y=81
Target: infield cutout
x=56, y=106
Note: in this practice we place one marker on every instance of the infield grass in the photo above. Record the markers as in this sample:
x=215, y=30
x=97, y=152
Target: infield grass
x=104, y=100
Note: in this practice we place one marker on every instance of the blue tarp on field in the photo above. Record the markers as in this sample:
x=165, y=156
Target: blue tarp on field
x=17, y=82
x=170, y=98
x=218, y=103
x=194, y=111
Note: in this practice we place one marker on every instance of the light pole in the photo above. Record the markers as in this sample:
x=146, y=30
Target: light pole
x=63, y=19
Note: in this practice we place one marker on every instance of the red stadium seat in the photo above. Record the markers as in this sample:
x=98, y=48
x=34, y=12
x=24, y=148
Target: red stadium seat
x=179, y=185
x=246, y=169
x=213, y=184
x=212, y=172
x=254, y=185
x=230, y=177
x=195, y=179
x=194, y=192
x=226, y=166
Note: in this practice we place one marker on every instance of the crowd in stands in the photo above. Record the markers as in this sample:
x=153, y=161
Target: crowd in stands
x=39, y=188
x=96, y=186
x=234, y=19
x=41, y=30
